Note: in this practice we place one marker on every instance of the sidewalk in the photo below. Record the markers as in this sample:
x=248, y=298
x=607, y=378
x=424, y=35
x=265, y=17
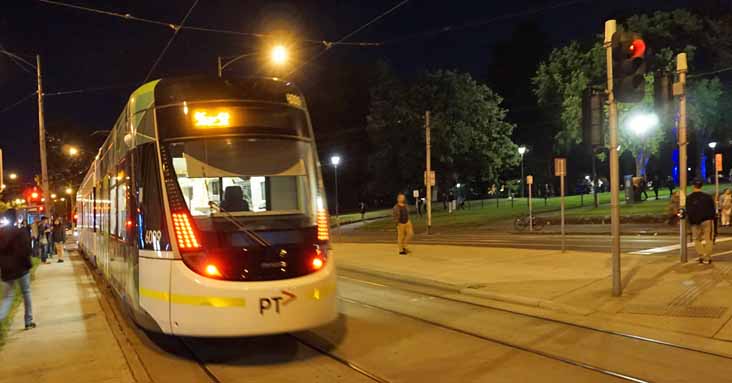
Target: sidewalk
x=688, y=304
x=74, y=340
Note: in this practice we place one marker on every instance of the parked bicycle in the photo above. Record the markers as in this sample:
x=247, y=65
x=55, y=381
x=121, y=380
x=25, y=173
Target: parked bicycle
x=522, y=223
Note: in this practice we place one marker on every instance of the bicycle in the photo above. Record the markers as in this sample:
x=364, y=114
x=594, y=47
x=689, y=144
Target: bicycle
x=522, y=223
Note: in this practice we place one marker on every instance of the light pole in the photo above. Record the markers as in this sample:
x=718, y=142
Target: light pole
x=335, y=161
x=713, y=146
x=522, y=150
x=279, y=55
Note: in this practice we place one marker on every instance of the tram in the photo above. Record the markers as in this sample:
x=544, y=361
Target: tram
x=205, y=209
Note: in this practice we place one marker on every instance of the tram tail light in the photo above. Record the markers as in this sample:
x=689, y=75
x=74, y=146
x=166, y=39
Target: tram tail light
x=318, y=260
x=317, y=263
x=184, y=232
x=322, y=221
x=212, y=270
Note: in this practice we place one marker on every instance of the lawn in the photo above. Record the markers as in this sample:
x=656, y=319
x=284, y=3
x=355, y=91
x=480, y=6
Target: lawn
x=486, y=212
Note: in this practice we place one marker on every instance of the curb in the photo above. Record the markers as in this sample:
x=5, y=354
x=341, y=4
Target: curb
x=470, y=289
x=527, y=301
x=406, y=278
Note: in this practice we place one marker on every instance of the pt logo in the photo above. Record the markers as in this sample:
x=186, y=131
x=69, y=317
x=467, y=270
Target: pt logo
x=266, y=304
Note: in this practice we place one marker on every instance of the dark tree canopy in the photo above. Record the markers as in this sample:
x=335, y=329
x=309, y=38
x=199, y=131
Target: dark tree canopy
x=471, y=140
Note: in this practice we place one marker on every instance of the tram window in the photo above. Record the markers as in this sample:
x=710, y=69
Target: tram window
x=245, y=177
x=113, y=205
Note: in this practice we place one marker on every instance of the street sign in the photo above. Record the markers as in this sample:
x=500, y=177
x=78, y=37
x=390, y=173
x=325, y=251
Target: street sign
x=432, y=178
x=415, y=193
x=560, y=167
x=718, y=162
x=529, y=180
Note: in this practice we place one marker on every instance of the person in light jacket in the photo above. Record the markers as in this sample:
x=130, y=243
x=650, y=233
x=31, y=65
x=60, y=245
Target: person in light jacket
x=405, y=231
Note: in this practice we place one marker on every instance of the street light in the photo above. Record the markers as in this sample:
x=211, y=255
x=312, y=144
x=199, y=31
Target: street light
x=522, y=150
x=279, y=56
x=13, y=176
x=73, y=151
x=69, y=191
x=641, y=123
x=712, y=145
x=335, y=161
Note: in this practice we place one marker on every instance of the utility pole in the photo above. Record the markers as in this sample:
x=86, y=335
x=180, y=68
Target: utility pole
x=219, y=69
x=679, y=89
x=2, y=174
x=428, y=172
x=42, y=139
x=610, y=28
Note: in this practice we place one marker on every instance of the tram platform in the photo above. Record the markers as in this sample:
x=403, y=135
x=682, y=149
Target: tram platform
x=75, y=340
x=685, y=304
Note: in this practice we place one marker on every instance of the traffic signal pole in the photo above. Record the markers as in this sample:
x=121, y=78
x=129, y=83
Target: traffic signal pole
x=680, y=90
x=610, y=28
x=42, y=139
x=428, y=172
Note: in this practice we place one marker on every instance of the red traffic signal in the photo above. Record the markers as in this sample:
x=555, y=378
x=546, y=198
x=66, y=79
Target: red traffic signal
x=637, y=49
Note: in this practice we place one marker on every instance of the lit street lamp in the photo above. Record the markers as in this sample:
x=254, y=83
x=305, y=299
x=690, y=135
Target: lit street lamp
x=13, y=176
x=335, y=161
x=712, y=145
x=69, y=191
x=642, y=123
x=279, y=55
x=73, y=151
x=522, y=150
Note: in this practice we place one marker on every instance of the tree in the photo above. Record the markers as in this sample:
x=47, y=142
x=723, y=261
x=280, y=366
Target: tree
x=560, y=79
x=704, y=115
x=470, y=137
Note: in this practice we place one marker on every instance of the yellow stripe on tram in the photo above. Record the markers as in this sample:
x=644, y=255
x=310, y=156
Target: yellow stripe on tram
x=194, y=300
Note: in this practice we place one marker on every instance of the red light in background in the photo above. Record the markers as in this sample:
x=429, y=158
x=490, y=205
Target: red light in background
x=637, y=48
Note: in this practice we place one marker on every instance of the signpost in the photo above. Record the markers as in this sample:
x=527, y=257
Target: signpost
x=560, y=170
x=428, y=169
x=529, y=182
x=717, y=170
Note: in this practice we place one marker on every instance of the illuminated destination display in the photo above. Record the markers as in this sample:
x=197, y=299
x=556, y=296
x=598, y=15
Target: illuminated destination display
x=211, y=119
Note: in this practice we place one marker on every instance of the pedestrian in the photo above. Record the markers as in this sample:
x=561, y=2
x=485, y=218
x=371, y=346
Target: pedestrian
x=34, y=239
x=15, y=266
x=655, y=183
x=670, y=185
x=726, y=204
x=59, y=238
x=701, y=213
x=362, y=208
x=405, y=231
x=418, y=206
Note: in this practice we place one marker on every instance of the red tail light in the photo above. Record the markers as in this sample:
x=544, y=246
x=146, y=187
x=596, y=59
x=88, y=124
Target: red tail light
x=184, y=232
x=212, y=270
x=318, y=260
x=317, y=263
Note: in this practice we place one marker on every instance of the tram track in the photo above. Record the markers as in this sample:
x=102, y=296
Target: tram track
x=435, y=294
x=416, y=290
x=493, y=340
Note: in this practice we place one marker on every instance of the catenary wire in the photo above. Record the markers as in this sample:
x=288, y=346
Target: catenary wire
x=359, y=29
x=479, y=23
x=13, y=105
x=127, y=16
x=170, y=41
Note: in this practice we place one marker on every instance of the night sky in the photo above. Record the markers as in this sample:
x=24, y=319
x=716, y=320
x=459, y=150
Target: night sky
x=85, y=50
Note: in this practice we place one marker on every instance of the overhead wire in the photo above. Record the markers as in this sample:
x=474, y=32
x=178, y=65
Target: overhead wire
x=348, y=35
x=90, y=90
x=170, y=41
x=17, y=59
x=127, y=16
x=13, y=105
x=479, y=23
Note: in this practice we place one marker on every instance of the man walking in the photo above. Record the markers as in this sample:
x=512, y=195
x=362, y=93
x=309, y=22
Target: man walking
x=400, y=213
x=701, y=212
x=15, y=265
x=59, y=238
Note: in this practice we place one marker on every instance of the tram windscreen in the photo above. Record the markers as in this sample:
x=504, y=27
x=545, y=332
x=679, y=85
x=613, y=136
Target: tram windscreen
x=246, y=177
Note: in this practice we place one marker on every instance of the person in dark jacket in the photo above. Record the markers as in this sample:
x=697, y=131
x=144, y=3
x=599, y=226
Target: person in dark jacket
x=701, y=213
x=59, y=238
x=400, y=214
x=15, y=266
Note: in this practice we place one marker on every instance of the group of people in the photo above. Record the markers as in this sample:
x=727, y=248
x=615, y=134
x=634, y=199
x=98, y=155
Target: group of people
x=47, y=239
x=19, y=242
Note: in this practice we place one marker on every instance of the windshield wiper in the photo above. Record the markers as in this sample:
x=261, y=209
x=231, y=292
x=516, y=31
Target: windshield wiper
x=229, y=217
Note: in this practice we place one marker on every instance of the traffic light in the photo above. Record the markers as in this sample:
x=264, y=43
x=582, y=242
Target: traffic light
x=629, y=66
x=593, y=134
